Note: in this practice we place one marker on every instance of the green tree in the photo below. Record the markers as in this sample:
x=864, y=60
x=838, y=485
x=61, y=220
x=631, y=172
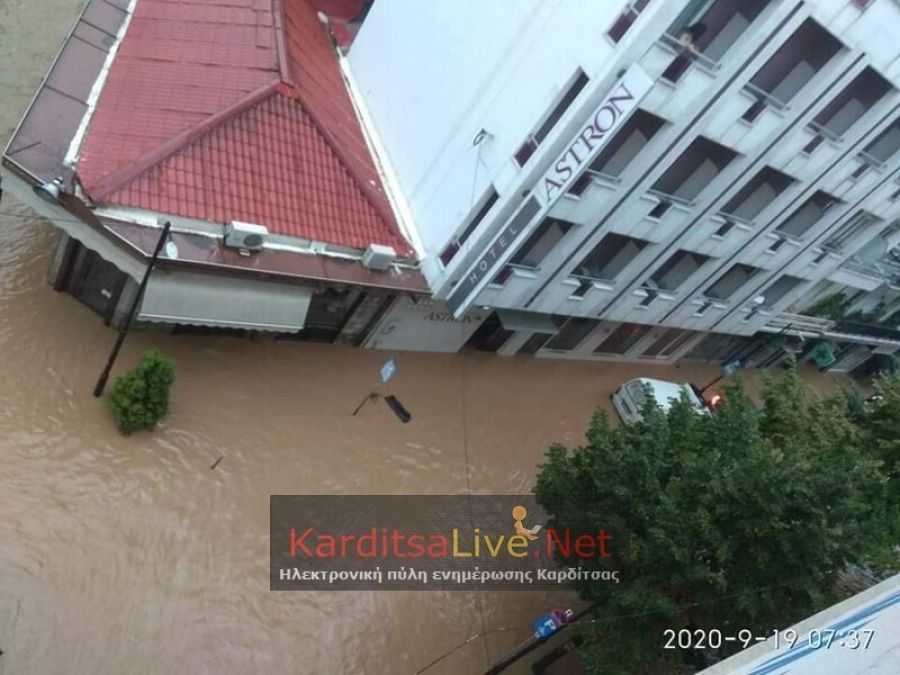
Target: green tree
x=140, y=398
x=737, y=520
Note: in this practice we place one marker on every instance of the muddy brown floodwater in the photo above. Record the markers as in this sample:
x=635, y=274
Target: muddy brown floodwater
x=132, y=556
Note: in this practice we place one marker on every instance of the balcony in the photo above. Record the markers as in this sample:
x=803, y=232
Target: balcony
x=756, y=195
x=703, y=37
x=606, y=261
x=886, y=144
x=884, y=270
x=846, y=108
x=693, y=171
x=777, y=291
x=528, y=257
x=728, y=284
x=807, y=215
x=620, y=151
x=676, y=270
x=787, y=71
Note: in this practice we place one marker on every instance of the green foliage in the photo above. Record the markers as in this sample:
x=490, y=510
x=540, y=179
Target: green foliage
x=140, y=398
x=830, y=307
x=737, y=520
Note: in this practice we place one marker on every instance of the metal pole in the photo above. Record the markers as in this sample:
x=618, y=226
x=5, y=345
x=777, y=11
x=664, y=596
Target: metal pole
x=751, y=353
x=123, y=331
x=533, y=642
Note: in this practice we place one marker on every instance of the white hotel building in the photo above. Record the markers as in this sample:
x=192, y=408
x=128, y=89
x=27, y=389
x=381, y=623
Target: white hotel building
x=601, y=186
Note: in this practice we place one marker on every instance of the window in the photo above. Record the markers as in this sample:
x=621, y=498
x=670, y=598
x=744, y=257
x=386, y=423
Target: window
x=487, y=202
x=529, y=256
x=676, y=270
x=571, y=334
x=895, y=195
x=622, y=338
x=731, y=281
x=660, y=209
x=609, y=257
x=724, y=229
x=777, y=244
x=626, y=19
x=526, y=150
x=581, y=184
x=813, y=144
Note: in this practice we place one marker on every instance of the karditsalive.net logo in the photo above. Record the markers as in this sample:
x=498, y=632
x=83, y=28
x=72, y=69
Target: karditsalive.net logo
x=455, y=543
x=447, y=542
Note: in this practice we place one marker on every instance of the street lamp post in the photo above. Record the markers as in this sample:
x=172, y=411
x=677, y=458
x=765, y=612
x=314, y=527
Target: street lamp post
x=126, y=325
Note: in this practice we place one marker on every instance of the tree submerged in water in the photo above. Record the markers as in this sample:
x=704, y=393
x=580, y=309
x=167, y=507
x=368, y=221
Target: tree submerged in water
x=140, y=398
x=742, y=519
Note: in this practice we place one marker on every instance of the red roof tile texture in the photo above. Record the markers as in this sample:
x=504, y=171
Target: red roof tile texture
x=236, y=110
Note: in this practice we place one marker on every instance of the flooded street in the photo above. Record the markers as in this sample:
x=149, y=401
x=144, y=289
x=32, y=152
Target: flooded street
x=133, y=556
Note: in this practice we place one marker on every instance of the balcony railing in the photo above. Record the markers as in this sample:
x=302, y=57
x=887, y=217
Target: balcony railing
x=882, y=270
x=804, y=325
x=586, y=282
x=763, y=100
x=866, y=329
x=685, y=56
x=586, y=179
x=511, y=268
x=821, y=134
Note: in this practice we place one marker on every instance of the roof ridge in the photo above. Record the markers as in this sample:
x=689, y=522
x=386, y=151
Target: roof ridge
x=115, y=180
x=378, y=200
x=280, y=48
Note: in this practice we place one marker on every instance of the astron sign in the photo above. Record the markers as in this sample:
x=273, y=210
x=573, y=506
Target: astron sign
x=592, y=135
x=617, y=105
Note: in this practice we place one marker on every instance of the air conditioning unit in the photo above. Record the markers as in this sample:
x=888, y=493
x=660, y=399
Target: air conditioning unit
x=378, y=257
x=245, y=236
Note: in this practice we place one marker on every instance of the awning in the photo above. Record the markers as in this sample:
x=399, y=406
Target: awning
x=225, y=302
x=527, y=322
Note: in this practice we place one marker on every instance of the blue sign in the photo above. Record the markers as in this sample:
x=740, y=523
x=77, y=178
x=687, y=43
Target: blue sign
x=547, y=625
x=388, y=370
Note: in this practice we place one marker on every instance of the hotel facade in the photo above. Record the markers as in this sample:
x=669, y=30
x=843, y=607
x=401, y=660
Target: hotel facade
x=646, y=181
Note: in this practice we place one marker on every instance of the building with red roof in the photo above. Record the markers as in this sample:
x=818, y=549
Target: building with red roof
x=232, y=120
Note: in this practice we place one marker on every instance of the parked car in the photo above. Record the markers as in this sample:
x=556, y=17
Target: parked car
x=629, y=399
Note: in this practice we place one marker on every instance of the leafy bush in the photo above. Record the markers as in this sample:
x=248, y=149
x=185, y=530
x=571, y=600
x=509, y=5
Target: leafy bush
x=743, y=519
x=140, y=398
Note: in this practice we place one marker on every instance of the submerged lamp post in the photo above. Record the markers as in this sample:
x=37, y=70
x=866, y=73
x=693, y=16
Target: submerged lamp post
x=171, y=252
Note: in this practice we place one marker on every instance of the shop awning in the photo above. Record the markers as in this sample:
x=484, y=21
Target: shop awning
x=225, y=302
x=527, y=322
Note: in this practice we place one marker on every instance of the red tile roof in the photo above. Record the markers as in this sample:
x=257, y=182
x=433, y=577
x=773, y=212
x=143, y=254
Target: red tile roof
x=236, y=110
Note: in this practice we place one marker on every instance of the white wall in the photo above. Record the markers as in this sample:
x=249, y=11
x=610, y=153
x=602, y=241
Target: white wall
x=432, y=74
x=876, y=610
x=423, y=326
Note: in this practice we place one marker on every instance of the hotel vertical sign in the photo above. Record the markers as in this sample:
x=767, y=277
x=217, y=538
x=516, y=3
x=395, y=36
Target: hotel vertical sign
x=616, y=106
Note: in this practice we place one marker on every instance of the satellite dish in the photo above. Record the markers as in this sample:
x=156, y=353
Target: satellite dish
x=171, y=250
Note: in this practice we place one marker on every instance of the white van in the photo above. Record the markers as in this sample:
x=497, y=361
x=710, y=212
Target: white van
x=629, y=398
